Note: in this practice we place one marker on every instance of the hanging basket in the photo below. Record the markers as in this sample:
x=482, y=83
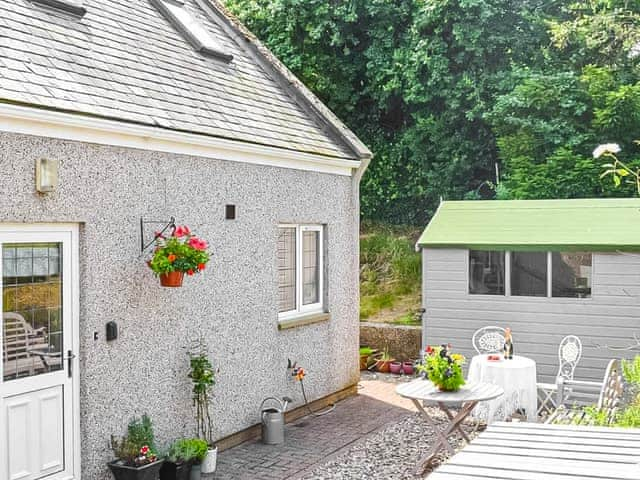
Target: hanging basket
x=171, y=279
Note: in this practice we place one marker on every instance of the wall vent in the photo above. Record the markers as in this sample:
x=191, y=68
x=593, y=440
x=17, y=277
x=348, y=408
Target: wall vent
x=191, y=29
x=71, y=6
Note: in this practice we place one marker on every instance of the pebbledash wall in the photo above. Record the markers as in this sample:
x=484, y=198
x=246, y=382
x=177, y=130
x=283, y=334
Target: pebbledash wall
x=233, y=304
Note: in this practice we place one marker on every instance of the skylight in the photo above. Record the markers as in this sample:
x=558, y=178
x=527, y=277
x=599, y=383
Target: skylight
x=72, y=6
x=192, y=30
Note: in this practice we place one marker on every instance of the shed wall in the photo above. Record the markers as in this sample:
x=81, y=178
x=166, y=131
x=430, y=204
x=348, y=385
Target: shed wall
x=611, y=316
x=233, y=304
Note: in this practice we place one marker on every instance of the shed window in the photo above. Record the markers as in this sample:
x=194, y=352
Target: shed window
x=529, y=274
x=486, y=272
x=300, y=269
x=571, y=274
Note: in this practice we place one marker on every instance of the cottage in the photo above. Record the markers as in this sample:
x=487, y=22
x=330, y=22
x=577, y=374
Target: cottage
x=546, y=268
x=115, y=116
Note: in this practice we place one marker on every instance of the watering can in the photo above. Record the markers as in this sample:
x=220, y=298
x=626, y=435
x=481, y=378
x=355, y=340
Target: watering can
x=272, y=417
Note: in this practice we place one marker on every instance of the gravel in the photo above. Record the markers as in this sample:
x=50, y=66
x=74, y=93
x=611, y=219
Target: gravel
x=391, y=453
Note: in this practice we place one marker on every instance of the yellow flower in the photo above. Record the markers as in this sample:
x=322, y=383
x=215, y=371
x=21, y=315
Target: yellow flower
x=457, y=357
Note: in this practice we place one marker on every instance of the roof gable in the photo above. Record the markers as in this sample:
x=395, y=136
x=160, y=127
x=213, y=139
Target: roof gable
x=123, y=60
x=530, y=225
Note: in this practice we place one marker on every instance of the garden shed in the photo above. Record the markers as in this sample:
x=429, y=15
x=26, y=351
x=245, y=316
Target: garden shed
x=117, y=117
x=545, y=268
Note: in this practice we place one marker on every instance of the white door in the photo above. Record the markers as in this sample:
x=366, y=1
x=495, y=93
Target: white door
x=39, y=369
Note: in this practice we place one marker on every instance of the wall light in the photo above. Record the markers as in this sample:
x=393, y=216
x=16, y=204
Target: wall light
x=46, y=175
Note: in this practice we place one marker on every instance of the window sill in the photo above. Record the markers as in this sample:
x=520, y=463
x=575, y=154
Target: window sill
x=302, y=320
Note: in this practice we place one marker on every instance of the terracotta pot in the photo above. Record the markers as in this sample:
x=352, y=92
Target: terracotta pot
x=363, y=361
x=383, y=366
x=171, y=279
x=395, y=367
x=407, y=368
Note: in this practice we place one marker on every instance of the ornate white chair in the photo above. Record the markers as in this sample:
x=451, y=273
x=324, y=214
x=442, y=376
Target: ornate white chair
x=488, y=340
x=569, y=353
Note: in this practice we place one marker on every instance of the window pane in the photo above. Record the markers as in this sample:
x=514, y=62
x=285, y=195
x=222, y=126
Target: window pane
x=486, y=272
x=310, y=267
x=31, y=309
x=529, y=274
x=287, y=269
x=571, y=275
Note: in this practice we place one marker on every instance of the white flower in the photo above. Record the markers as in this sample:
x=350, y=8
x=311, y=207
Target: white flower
x=606, y=148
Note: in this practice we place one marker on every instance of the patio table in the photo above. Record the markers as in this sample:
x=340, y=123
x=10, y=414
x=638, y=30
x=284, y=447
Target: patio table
x=423, y=392
x=518, y=379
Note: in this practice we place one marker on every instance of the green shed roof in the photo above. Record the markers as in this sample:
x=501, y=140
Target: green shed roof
x=584, y=224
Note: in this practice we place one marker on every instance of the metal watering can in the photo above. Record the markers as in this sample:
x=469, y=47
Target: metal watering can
x=272, y=418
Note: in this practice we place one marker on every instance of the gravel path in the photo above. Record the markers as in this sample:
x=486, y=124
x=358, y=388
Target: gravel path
x=391, y=453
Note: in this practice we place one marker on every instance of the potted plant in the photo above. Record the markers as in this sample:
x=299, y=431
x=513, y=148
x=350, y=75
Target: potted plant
x=182, y=252
x=202, y=376
x=395, y=367
x=407, y=368
x=136, y=459
x=443, y=368
x=181, y=456
x=365, y=353
x=383, y=361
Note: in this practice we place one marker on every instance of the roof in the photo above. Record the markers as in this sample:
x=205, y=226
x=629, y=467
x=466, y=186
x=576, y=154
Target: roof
x=123, y=60
x=536, y=225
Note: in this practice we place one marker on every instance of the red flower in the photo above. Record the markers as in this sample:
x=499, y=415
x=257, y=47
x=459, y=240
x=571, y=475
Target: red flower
x=144, y=450
x=171, y=257
x=428, y=349
x=182, y=231
x=190, y=272
x=198, y=244
x=201, y=266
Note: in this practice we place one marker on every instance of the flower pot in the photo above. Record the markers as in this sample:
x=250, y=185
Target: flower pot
x=395, y=367
x=383, y=365
x=209, y=462
x=363, y=361
x=195, y=472
x=407, y=368
x=175, y=471
x=171, y=279
x=125, y=472
x=442, y=388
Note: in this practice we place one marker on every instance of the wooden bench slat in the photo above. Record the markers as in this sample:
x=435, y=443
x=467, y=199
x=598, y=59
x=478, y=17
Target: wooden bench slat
x=626, y=457
x=566, y=447
x=503, y=474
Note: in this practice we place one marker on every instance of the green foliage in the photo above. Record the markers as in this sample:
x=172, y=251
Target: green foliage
x=631, y=370
x=187, y=450
x=202, y=375
x=443, y=368
x=129, y=447
x=181, y=252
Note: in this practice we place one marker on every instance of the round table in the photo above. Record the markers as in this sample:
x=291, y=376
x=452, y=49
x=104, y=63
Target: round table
x=423, y=392
x=518, y=379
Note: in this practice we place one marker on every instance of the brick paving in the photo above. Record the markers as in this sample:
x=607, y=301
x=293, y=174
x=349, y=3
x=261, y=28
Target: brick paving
x=311, y=441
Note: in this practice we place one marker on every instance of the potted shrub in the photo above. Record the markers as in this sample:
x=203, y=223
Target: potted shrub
x=365, y=353
x=182, y=252
x=136, y=459
x=383, y=361
x=181, y=456
x=407, y=368
x=395, y=367
x=443, y=368
x=202, y=376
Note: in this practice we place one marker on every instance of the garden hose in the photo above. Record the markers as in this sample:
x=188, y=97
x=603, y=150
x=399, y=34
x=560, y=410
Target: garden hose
x=329, y=409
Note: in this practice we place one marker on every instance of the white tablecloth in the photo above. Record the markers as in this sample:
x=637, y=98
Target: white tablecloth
x=518, y=379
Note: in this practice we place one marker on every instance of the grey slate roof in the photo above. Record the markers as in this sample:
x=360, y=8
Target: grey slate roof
x=123, y=60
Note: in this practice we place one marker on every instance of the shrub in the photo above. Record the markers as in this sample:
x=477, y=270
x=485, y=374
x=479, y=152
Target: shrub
x=187, y=450
x=137, y=447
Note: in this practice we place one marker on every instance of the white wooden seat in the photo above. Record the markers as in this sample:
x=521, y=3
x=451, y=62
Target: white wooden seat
x=24, y=347
x=609, y=398
x=488, y=340
x=569, y=354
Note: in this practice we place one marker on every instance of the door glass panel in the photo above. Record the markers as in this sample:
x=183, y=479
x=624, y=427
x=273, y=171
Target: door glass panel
x=31, y=309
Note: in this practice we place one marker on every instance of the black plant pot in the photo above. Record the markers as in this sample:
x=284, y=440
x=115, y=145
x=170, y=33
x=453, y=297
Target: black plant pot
x=175, y=471
x=146, y=472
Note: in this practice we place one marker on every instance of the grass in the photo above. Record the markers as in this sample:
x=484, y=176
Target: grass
x=390, y=272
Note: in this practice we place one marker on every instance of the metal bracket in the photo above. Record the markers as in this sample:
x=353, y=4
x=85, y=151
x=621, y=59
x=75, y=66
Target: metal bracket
x=167, y=225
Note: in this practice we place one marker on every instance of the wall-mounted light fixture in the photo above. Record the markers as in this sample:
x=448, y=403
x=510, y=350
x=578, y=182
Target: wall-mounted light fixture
x=46, y=175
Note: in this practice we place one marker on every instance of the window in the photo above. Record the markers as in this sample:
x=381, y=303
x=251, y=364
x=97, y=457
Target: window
x=197, y=35
x=486, y=272
x=571, y=274
x=71, y=6
x=300, y=269
x=529, y=274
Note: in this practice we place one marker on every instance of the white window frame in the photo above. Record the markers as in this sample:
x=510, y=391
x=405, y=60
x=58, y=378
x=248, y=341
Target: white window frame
x=317, y=307
x=507, y=280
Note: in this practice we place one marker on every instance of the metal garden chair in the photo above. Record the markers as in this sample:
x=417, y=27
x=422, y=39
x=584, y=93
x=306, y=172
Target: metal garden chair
x=609, y=398
x=488, y=340
x=569, y=353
